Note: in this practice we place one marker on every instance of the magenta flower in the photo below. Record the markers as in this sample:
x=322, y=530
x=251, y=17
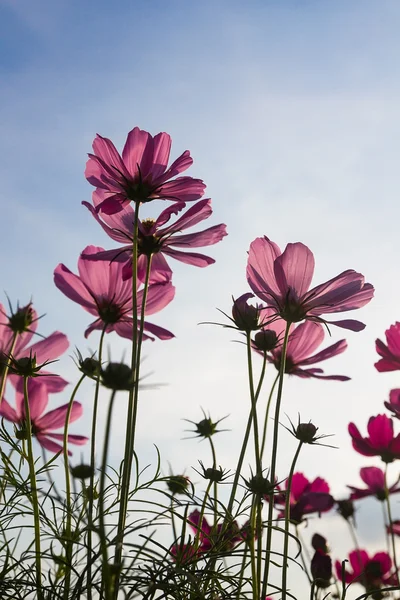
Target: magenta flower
x=390, y=360
x=381, y=441
x=209, y=537
x=43, y=425
x=394, y=402
x=306, y=497
x=100, y=289
x=395, y=527
x=155, y=238
x=369, y=572
x=282, y=280
x=303, y=340
x=374, y=479
x=141, y=173
x=47, y=349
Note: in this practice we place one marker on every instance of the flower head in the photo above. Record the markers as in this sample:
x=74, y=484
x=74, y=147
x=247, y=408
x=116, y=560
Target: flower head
x=370, y=572
x=282, y=280
x=304, y=339
x=141, y=173
x=321, y=569
x=99, y=288
x=157, y=238
x=394, y=402
x=374, y=479
x=390, y=353
x=306, y=497
x=381, y=441
x=222, y=538
x=43, y=425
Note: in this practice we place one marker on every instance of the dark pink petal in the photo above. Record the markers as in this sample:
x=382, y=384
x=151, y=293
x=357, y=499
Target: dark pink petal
x=114, y=233
x=195, y=214
x=138, y=153
x=8, y=412
x=380, y=429
x=384, y=560
x=303, y=340
x=360, y=444
x=299, y=485
x=348, y=576
x=294, y=269
x=159, y=332
x=51, y=347
x=54, y=419
x=117, y=255
x=53, y=383
x=113, y=204
x=38, y=399
x=393, y=338
x=158, y=297
x=49, y=445
x=194, y=522
x=260, y=269
x=208, y=237
x=70, y=285
x=350, y=324
x=373, y=477
x=160, y=158
x=79, y=440
x=184, y=189
x=344, y=292
x=109, y=158
x=358, y=560
x=190, y=258
x=319, y=485
x=98, y=325
x=316, y=374
x=182, y=163
x=165, y=216
x=315, y=502
x=329, y=352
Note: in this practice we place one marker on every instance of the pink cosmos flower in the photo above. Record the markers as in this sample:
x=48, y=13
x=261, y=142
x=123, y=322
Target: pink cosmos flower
x=303, y=340
x=155, y=238
x=381, y=441
x=390, y=360
x=394, y=402
x=395, y=527
x=47, y=349
x=141, y=173
x=43, y=425
x=282, y=280
x=369, y=572
x=100, y=289
x=306, y=497
x=209, y=537
x=374, y=479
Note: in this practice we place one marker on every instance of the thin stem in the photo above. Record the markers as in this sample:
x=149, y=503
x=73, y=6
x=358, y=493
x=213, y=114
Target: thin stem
x=7, y=365
x=92, y=470
x=287, y=521
x=214, y=466
x=68, y=549
x=389, y=512
x=303, y=554
x=34, y=494
x=253, y=559
x=384, y=518
x=273, y=459
x=253, y=401
x=264, y=435
x=107, y=581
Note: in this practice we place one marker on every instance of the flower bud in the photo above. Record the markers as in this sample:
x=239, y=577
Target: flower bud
x=178, y=484
x=305, y=432
x=246, y=316
x=22, y=319
x=117, y=377
x=318, y=542
x=346, y=508
x=266, y=340
x=25, y=366
x=82, y=471
x=213, y=474
x=321, y=569
x=260, y=485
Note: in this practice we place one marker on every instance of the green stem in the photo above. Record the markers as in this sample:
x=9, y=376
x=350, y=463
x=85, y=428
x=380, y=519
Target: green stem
x=214, y=466
x=107, y=580
x=273, y=459
x=253, y=558
x=253, y=401
x=389, y=513
x=287, y=521
x=303, y=554
x=92, y=470
x=7, y=366
x=68, y=549
x=264, y=436
x=34, y=494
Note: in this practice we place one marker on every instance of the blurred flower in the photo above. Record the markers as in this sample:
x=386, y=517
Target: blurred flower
x=394, y=402
x=141, y=173
x=346, y=508
x=318, y=542
x=303, y=340
x=369, y=572
x=282, y=280
x=45, y=351
x=395, y=527
x=210, y=537
x=178, y=484
x=99, y=288
x=321, y=569
x=306, y=497
x=390, y=353
x=374, y=478
x=43, y=424
x=154, y=239
x=381, y=441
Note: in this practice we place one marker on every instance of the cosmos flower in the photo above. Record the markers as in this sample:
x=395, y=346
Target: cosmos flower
x=390, y=353
x=283, y=280
x=369, y=572
x=374, y=479
x=381, y=440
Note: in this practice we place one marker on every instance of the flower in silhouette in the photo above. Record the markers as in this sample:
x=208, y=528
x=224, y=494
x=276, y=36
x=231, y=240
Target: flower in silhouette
x=282, y=280
x=390, y=353
x=381, y=441
x=157, y=238
x=100, y=289
x=394, y=402
x=46, y=350
x=306, y=497
x=141, y=173
x=304, y=339
x=372, y=572
x=374, y=479
x=43, y=424
x=223, y=537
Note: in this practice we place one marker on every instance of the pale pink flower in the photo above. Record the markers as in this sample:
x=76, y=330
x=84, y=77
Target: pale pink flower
x=45, y=350
x=156, y=238
x=390, y=353
x=283, y=280
x=141, y=173
x=100, y=289
x=43, y=424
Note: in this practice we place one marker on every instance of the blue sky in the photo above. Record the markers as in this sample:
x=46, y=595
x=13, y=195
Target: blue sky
x=290, y=110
